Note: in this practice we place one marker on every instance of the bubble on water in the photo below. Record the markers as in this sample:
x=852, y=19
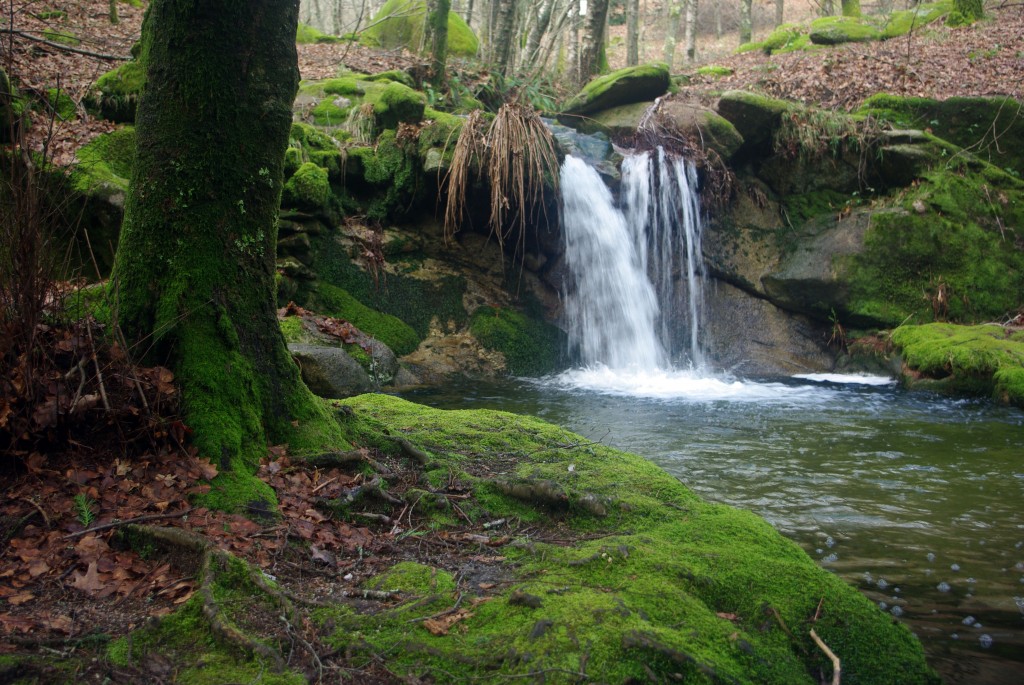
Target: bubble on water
x=985, y=640
x=896, y=590
x=943, y=587
x=968, y=621
x=927, y=571
x=930, y=556
x=883, y=606
x=954, y=567
x=977, y=625
x=1019, y=601
x=954, y=636
x=829, y=542
x=1019, y=545
x=1019, y=566
x=972, y=580
x=897, y=611
x=830, y=558
x=818, y=550
x=867, y=578
x=882, y=583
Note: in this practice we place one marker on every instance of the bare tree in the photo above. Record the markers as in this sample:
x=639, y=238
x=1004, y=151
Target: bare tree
x=503, y=27
x=746, y=26
x=632, y=32
x=592, y=47
x=690, y=30
x=780, y=12
x=675, y=11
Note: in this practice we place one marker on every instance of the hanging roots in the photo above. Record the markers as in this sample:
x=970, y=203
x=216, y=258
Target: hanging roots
x=517, y=154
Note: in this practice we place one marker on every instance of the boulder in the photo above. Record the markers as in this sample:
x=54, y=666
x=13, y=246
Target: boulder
x=838, y=30
x=703, y=124
x=400, y=24
x=755, y=116
x=330, y=371
x=633, y=84
x=618, y=123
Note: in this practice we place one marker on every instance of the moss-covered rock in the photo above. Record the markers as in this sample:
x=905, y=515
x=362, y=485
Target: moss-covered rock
x=979, y=360
x=105, y=161
x=756, y=117
x=398, y=103
x=531, y=346
x=399, y=24
x=715, y=71
x=667, y=586
x=116, y=94
x=396, y=75
x=703, y=125
x=642, y=83
x=306, y=34
x=61, y=104
x=392, y=331
x=902, y=22
x=838, y=30
x=308, y=188
x=988, y=126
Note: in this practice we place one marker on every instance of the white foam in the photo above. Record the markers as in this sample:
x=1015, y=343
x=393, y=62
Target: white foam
x=845, y=378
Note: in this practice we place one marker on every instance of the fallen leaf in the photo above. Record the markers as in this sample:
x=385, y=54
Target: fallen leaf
x=21, y=598
x=88, y=581
x=441, y=626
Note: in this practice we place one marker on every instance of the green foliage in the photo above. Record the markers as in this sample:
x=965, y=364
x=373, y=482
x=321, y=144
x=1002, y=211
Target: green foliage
x=390, y=330
x=532, y=347
x=985, y=359
x=85, y=509
x=400, y=24
x=305, y=35
x=308, y=188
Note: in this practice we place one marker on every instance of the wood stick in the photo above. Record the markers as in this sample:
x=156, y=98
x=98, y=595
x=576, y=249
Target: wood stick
x=115, y=524
x=830, y=654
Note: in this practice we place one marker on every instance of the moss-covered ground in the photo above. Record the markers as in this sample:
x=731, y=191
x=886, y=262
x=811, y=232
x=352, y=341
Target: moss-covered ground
x=983, y=360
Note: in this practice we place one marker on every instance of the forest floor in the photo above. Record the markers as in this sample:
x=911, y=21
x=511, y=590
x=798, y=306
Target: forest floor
x=69, y=486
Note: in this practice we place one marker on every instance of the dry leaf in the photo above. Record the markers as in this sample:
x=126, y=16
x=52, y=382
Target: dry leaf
x=21, y=598
x=88, y=581
x=441, y=626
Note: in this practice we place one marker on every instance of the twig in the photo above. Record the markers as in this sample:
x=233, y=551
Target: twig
x=381, y=595
x=439, y=614
x=830, y=654
x=39, y=509
x=323, y=485
x=99, y=372
x=66, y=48
x=115, y=524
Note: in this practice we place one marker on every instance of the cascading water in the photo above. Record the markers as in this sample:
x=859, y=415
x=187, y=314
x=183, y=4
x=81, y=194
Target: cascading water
x=625, y=259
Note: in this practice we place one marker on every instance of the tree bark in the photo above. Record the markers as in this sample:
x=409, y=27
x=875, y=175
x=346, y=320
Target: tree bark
x=632, y=33
x=690, y=30
x=675, y=12
x=540, y=26
x=194, y=271
x=592, y=47
x=780, y=12
x=572, y=51
x=501, y=53
x=746, y=26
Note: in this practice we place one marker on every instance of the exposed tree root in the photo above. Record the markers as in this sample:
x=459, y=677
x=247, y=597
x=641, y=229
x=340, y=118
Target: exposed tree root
x=193, y=554
x=836, y=670
x=544, y=492
x=370, y=488
x=411, y=451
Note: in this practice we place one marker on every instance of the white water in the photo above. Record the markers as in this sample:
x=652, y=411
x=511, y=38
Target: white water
x=637, y=287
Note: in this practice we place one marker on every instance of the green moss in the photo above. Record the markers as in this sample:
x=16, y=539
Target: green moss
x=393, y=169
x=801, y=208
x=948, y=251
x=667, y=586
x=116, y=94
x=986, y=359
x=306, y=34
x=62, y=37
x=781, y=37
x=399, y=24
x=837, y=30
x=292, y=329
x=345, y=85
x=399, y=103
x=61, y=104
x=715, y=71
x=391, y=331
x=106, y=159
x=531, y=347
x=396, y=75
x=902, y=22
x=308, y=188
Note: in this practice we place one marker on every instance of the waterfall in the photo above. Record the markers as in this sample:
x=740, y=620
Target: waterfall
x=636, y=266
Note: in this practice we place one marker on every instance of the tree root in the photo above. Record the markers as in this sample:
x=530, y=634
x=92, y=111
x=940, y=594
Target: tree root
x=192, y=553
x=411, y=451
x=544, y=492
x=371, y=487
x=346, y=460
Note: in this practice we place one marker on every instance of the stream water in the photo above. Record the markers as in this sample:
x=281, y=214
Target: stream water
x=912, y=498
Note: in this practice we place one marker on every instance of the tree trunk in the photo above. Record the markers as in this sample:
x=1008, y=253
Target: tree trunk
x=675, y=12
x=540, y=26
x=572, y=53
x=827, y=8
x=780, y=12
x=718, y=20
x=851, y=8
x=970, y=9
x=632, y=33
x=437, y=29
x=194, y=271
x=501, y=52
x=113, y=12
x=593, y=39
x=690, y=30
x=746, y=27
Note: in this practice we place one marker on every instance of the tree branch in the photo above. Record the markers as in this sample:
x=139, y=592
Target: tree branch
x=66, y=48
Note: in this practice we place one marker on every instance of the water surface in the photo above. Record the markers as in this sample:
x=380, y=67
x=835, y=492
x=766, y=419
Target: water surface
x=913, y=498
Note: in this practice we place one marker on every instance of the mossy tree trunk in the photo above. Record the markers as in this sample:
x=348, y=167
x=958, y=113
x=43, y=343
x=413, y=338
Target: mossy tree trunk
x=194, y=271
x=970, y=9
x=851, y=8
x=437, y=27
